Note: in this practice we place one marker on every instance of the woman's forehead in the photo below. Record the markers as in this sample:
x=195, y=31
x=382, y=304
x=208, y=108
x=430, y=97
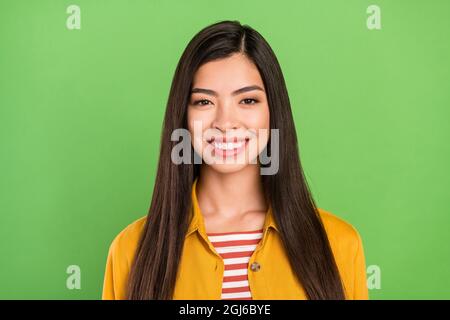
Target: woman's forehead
x=227, y=75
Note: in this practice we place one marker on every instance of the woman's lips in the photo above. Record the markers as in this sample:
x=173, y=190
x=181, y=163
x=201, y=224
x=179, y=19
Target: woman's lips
x=228, y=148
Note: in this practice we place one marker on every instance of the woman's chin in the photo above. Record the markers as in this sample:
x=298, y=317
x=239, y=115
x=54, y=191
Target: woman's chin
x=228, y=167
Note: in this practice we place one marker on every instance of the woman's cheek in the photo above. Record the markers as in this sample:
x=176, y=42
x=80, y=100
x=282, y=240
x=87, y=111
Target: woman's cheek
x=257, y=118
x=260, y=123
x=198, y=122
x=257, y=121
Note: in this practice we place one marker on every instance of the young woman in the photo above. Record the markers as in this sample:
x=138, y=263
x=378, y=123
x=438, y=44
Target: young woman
x=222, y=229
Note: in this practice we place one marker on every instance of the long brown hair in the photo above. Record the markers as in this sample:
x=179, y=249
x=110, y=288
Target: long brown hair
x=154, y=269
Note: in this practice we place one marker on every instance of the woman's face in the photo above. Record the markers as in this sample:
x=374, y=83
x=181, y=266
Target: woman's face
x=228, y=113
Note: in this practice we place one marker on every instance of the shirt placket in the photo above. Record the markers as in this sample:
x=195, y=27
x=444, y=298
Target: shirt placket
x=256, y=272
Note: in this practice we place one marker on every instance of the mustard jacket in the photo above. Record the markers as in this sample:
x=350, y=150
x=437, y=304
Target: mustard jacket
x=201, y=268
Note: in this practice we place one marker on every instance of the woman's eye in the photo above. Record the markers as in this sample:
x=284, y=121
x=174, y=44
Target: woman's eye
x=250, y=101
x=205, y=102
x=201, y=102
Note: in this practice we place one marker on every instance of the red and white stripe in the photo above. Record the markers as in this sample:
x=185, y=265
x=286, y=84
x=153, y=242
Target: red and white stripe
x=236, y=249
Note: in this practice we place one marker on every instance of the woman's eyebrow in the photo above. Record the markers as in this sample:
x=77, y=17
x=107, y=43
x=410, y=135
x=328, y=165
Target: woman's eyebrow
x=236, y=92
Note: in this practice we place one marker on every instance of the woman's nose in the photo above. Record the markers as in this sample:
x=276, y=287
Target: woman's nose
x=226, y=118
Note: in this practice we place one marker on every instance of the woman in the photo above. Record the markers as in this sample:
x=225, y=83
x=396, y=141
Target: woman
x=223, y=228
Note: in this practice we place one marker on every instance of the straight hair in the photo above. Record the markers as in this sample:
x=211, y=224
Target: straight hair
x=157, y=258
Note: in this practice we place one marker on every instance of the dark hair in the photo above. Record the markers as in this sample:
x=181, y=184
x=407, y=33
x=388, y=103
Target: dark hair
x=154, y=269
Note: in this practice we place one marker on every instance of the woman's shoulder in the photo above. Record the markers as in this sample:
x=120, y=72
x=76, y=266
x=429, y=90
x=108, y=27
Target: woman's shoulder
x=120, y=256
x=341, y=234
x=347, y=247
x=127, y=239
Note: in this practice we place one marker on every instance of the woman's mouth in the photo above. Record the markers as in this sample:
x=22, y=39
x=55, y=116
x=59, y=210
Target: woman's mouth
x=227, y=148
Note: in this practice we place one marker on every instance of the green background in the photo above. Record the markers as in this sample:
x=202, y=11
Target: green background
x=81, y=114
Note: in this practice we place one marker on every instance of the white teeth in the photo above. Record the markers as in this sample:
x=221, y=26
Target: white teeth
x=228, y=146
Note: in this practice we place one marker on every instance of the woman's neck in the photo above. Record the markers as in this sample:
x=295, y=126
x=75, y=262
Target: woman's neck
x=230, y=195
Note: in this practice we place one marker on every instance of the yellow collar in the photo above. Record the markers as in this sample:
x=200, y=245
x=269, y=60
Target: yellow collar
x=197, y=222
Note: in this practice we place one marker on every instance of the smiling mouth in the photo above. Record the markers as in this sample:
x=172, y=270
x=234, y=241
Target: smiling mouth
x=230, y=147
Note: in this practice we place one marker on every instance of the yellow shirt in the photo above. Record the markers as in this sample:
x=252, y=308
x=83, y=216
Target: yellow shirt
x=201, y=268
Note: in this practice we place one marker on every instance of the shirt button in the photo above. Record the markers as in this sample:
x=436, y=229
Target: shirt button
x=255, y=266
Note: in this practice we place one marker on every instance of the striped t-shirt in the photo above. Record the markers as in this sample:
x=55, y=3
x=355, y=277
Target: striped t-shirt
x=235, y=248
